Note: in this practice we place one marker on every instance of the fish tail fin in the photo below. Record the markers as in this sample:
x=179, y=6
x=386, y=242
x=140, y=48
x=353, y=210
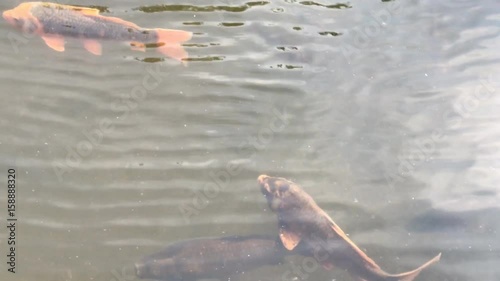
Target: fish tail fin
x=411, y=275
x=170, y=41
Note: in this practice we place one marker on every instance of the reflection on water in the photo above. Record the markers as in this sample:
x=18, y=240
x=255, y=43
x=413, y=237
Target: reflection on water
x=390, y=121
x=192, y=8
x=335, y=6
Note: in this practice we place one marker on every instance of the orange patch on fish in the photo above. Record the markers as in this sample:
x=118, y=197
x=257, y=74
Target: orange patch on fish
x=55, y=22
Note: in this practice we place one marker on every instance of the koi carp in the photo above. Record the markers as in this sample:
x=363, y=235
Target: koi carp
x=304, y=224
x=55, y=22
x=211, y=258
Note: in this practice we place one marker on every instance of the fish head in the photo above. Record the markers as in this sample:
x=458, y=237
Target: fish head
x=21, y=17
x=281, y=194
x=292, y=204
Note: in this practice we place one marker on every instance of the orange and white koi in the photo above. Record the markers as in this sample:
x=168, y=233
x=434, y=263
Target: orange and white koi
x=55, y=22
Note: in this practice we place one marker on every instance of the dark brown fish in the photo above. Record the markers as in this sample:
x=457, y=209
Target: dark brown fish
x=211, y=258
x=303, y=223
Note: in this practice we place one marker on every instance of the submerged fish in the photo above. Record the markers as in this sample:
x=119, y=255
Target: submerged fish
x=304, y=224
x=211, y=258
x=54, y=22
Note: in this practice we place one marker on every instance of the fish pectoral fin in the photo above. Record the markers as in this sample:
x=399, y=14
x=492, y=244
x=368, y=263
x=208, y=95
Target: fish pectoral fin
x=93, y=47
x=290, y=239
x=138, y=46
x=55, y=42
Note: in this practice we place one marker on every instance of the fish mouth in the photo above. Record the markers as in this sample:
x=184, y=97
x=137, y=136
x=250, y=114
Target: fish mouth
x=262, y=179
x=273, y=201
x=6, y=15
x=264, y=185
x=9, y=17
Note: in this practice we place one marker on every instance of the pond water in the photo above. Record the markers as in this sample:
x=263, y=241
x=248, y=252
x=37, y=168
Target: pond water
x=386, y=112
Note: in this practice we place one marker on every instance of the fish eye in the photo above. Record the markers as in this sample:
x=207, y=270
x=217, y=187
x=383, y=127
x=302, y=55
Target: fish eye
x=284, y=187
x=281, y=186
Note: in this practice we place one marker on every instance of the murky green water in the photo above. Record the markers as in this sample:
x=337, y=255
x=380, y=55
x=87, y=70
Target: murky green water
x=386, y=112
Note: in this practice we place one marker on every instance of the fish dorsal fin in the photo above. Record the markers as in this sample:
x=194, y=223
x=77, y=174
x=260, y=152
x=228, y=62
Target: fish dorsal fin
x=85, y=11
x=357, y=251
x=289, y=238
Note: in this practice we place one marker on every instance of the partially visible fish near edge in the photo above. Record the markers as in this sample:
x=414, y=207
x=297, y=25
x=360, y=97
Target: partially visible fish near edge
x=54, y=22
x=306, y=228
x=211, y=258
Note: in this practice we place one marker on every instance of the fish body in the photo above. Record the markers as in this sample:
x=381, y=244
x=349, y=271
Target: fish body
x=306, y=228
x=211, y=258
x=55, y=22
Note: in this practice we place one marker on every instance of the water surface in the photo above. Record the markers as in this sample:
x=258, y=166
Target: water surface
x=386, y=112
